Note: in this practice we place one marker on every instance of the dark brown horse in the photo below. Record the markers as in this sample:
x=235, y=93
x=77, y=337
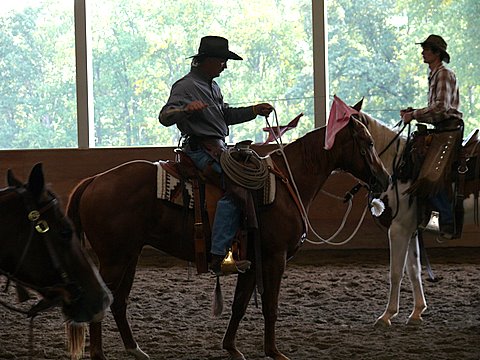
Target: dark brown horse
x=40, y=251
x=120, y=214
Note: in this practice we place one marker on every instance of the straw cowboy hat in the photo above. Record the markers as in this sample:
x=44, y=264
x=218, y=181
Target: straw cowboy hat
x=437, y=42
x=215, y=46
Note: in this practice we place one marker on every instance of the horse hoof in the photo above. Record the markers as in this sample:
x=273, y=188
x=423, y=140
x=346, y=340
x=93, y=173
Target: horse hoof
x=383, y=323
x=138, y=353
x=415, y=321
x=236, y=355
x=277, y=355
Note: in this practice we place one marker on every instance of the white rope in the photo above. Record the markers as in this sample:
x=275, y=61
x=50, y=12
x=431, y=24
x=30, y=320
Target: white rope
x=245, y=175
x=303, y=211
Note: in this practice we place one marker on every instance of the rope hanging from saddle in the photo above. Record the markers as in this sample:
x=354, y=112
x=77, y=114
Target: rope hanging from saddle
x=244, y=167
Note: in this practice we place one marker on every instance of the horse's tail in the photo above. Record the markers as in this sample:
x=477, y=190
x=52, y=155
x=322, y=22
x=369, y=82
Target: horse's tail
x=217, y=299
x=73, y=206
x=76, y=339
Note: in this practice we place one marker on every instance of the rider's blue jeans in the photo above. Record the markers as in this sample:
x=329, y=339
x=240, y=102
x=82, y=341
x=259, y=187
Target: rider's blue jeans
x=441, y=203
x=227, y=215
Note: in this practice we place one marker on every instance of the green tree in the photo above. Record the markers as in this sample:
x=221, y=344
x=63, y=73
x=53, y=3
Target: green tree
x=372, y=52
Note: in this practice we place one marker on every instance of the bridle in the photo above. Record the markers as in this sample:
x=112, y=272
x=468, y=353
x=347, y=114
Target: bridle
x=40, y=227
x=363, y=152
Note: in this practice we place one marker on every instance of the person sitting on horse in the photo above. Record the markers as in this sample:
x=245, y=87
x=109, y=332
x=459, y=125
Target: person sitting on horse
x=442, y=112
x=196, y=106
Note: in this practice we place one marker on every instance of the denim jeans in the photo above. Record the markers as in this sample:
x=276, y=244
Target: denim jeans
x=441, y=203
x=227, y=215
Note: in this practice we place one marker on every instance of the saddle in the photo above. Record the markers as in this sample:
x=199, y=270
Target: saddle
x=182, y=183
x=436, y=159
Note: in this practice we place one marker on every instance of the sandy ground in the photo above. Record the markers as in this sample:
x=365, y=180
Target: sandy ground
x=328, y=305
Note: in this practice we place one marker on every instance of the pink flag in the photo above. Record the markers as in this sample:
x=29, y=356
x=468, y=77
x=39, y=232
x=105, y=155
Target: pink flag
x=276, y=132
x=339, y=117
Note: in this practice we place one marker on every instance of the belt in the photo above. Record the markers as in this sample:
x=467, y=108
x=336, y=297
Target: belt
x=197, y=142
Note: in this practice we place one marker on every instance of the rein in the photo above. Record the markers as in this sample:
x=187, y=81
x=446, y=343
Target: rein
x=394, y=139
x=293, y=189
x=395, y=167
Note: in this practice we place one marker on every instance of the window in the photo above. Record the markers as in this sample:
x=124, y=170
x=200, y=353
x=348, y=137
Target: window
x=37, y=67
x=140, y=49
x=372, y=53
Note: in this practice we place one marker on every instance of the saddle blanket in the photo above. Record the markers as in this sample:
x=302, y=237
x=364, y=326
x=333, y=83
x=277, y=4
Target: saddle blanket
x=169, y=187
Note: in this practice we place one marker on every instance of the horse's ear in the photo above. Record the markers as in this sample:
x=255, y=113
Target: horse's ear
x=36, y=180
x=358, y=105
x=12, y=180
x=353, y=124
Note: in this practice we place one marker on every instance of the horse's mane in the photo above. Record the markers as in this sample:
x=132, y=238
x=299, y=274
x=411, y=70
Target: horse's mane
x=383, y=135
x=311, y=145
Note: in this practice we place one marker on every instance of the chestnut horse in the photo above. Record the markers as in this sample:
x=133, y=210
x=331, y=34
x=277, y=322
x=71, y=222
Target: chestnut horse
x=40, y=251
x=119, y=213
x=402, y=232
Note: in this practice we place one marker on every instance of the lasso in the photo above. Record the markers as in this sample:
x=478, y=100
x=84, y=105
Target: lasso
x=252, y=173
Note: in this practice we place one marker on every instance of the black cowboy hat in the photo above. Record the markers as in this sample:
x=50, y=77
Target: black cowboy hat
x=437, y=42
x=215, y=46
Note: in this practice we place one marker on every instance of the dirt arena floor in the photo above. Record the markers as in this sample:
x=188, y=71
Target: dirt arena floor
x=328, y=305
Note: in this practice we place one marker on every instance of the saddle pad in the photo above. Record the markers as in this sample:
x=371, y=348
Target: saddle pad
x=169, y=186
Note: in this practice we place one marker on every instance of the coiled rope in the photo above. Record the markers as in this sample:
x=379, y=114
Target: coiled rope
x=251, y=173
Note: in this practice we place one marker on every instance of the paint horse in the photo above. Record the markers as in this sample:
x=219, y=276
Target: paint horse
x=40, y=251
x=402, y=232
x=119, y=213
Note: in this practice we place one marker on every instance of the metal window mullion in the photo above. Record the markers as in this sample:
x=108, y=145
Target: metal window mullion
x=320, y=65
x=83, y=59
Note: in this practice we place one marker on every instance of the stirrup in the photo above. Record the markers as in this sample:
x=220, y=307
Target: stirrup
x=230, y=266
x=433, y=223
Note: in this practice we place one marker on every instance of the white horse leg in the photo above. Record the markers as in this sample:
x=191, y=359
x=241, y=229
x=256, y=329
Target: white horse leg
x=138, y=353
x=414, y=271
x=399, y=240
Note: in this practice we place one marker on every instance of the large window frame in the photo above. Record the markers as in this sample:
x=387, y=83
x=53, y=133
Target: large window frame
x=85, y=118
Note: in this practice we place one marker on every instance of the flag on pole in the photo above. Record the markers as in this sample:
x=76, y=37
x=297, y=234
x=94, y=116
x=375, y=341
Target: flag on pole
x=277, y=131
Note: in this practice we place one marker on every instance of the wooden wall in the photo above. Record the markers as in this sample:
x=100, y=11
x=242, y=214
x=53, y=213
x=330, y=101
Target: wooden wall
x=64, y=168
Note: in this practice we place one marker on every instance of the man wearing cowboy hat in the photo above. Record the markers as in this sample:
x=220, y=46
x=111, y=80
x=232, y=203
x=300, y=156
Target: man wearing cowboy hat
x=443, y=113
x=196, y=106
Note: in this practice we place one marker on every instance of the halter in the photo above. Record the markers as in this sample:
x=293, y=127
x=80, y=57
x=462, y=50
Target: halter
x=372, y=181
x=39, y=226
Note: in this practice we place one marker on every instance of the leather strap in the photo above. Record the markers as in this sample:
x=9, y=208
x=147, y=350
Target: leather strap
x=199, y=234
x=459, y=194
x=278, y=173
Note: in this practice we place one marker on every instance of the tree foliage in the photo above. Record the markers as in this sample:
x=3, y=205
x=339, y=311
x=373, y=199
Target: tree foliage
x=140, y=48
x=373, y=52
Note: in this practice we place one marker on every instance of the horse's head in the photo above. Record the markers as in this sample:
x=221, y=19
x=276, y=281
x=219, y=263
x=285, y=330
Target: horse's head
x=389, y=144
x=41, y=251
x=360, y=158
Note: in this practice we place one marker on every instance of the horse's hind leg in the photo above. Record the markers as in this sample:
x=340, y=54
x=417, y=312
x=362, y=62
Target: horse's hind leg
x=399, y=239
x=414, y=272
x=119, y=278
x=273, y=269
x=119, y=310
x=243, y=293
